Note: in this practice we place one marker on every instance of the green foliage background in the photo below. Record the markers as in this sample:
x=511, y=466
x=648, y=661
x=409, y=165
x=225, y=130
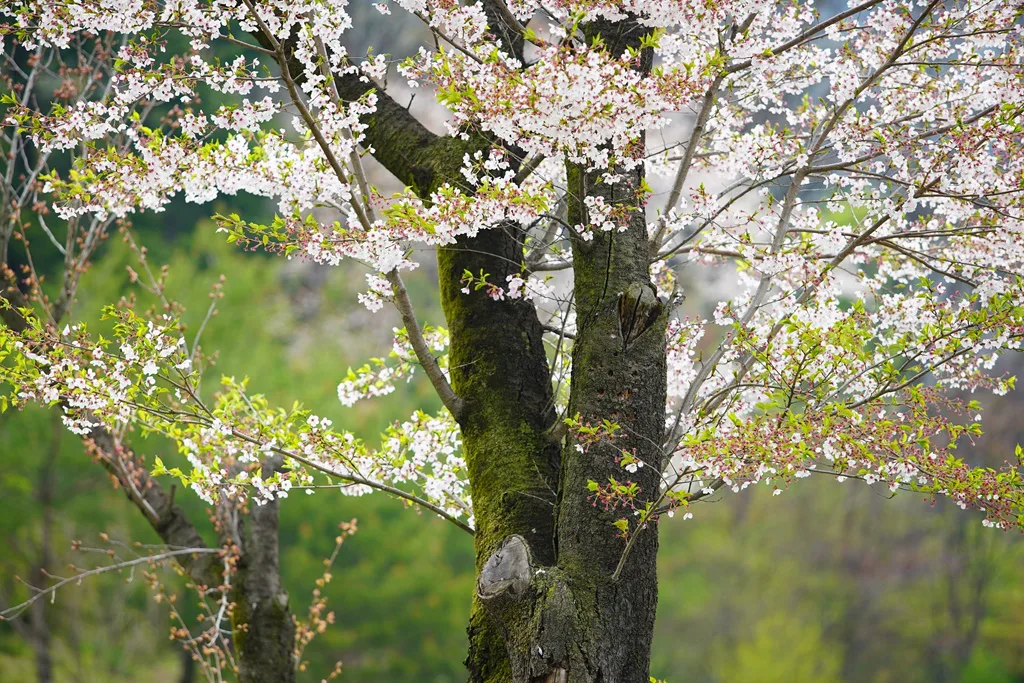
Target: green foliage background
x=828, y=583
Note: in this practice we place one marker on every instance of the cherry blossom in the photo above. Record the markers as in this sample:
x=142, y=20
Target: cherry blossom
x=851, y=183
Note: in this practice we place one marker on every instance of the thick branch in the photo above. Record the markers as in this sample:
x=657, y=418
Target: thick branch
x=506, y=28
x=403, y=145
x=156, y=505
x=419, y=158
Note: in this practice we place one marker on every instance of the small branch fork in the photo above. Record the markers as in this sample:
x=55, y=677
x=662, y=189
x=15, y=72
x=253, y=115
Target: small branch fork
x=15, y=610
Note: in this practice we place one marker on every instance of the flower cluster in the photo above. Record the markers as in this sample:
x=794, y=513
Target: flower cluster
x=851, y=184
x=378, y=377
x=238, y=446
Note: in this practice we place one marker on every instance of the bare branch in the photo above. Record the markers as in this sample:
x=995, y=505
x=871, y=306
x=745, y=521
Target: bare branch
x=15, y=610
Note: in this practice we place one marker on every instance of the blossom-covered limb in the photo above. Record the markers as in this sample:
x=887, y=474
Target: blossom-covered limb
x=168, y=519
x=684, y=166
x=356, y=479
x=365, y=212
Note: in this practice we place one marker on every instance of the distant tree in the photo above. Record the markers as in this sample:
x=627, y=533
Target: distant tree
x=849, y=187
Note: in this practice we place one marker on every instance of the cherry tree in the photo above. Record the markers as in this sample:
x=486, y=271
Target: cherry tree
x=846, y=182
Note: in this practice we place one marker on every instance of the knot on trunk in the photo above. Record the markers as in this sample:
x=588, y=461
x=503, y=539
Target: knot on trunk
x=507, y=571
x=639, y=309
x=536, y=612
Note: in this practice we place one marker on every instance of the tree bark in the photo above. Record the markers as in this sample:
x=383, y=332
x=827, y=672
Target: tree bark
x=261, y=619
x=570, y=621
x=619, y=374
x=500, y=370
x=498, y=367
x=45, y=494
x=546, y=607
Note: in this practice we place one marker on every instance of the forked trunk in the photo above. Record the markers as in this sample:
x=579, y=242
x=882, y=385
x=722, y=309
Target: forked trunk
x=555, y=614
x=553, y=604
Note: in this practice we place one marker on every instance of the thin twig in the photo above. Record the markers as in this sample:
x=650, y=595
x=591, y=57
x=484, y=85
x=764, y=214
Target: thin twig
x=16, y=610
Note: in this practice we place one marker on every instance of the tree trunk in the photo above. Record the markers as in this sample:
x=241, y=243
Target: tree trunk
x=500, y=370
x=39, y=628
x=571, y=622
x=567, y=620
x=547, y=608
x=261, y=620
x=188, y=668
x=619, y=374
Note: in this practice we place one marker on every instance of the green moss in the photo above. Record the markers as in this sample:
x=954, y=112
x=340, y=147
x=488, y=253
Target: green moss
x=488, y=658
x=239, y=613
x=499, y=369
x=421, y=167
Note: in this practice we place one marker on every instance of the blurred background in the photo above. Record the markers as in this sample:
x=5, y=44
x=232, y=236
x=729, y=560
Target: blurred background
x=826, y=583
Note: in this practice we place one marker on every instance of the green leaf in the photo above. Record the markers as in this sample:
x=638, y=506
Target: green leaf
x=158, y=467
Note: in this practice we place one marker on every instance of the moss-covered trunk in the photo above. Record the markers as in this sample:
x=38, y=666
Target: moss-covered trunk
x=547, y=608
x=567, y=621
x=500, y=370
x=619, y=375
x=566, y=618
